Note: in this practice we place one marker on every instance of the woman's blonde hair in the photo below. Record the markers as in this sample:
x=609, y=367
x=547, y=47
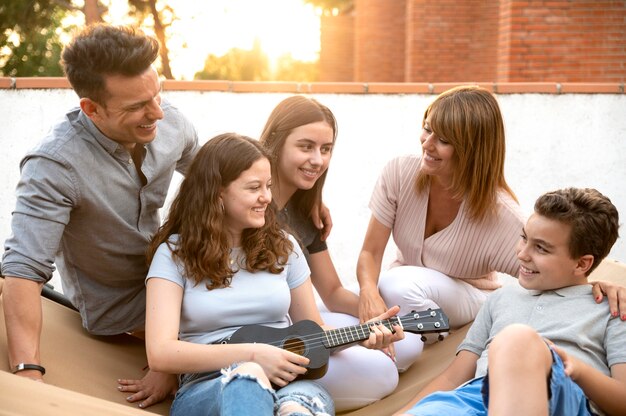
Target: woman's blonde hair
x=197, y=216
x=469, y=118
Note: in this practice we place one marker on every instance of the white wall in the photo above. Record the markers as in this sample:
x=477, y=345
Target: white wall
x=552, y=141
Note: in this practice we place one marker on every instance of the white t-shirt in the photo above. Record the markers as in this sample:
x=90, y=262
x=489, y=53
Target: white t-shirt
x=262, y=298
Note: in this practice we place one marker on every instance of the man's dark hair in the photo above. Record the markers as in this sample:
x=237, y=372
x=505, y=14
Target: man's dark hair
x=100, y=50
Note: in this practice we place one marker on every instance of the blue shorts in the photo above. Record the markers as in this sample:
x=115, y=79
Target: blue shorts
x=472, y=398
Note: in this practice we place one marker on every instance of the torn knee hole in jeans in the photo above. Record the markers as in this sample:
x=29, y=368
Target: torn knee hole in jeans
x=230, y=375
x=297, y=405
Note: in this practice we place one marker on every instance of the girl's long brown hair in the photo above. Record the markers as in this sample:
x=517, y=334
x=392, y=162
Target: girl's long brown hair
x=293, y=112
x=197, y=216
x=469, y=118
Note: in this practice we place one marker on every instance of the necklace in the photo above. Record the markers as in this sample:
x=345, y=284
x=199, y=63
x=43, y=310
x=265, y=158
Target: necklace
x=234, y=255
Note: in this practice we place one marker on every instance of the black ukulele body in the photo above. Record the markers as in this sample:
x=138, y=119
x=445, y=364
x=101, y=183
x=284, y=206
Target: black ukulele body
x=295, y=338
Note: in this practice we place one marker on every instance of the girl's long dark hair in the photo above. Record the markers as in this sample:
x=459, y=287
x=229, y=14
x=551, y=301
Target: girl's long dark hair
x=197, y=216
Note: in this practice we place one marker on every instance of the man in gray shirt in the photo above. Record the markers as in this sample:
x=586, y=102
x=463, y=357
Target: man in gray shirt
x=89, y=196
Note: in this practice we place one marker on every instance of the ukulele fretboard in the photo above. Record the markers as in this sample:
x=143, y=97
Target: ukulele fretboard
x=349, y=334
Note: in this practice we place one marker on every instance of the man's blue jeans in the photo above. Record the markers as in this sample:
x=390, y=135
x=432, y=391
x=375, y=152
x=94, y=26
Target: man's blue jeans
x=241, y=395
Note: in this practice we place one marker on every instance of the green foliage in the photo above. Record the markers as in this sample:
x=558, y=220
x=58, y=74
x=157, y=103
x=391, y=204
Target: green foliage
x=20, y=15
x=30, y=42
x=39, y=56
x=253, y=65
x=289, y=69
x=237, y=65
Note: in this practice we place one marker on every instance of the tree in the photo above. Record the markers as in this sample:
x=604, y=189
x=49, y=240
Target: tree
x=253, y=65
x=93, y=11
x=40, y=56
x=29, y=42
x=161, y=20
x=237, y=65
x=289, y=69
x=31, y=31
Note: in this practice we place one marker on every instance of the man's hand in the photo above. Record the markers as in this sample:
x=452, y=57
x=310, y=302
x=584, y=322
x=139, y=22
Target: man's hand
x=31, y=374
x=151, y=389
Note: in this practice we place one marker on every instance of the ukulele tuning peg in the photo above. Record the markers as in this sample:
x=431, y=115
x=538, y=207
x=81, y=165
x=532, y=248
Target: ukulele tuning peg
x=423, y=338
x=440, y=337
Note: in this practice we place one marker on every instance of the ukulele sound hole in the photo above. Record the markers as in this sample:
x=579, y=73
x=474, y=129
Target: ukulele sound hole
x=294, y=345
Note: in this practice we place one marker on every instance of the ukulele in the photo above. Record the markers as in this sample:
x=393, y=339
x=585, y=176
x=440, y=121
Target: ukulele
x=307, y=338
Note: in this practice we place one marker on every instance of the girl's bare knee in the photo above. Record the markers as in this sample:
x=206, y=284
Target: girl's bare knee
x=292, y=407
x=254, y=370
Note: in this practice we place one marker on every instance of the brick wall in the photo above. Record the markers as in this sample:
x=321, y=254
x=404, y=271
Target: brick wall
x=379, y=28
x=482, y=41
x=337, y=56
x=450, y=40
x=566, y=41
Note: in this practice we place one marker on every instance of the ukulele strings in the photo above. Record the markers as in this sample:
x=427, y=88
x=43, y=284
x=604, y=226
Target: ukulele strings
x=318, y=338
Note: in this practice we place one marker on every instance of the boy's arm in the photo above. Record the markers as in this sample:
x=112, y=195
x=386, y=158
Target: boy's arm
x=459, y=371
x=598, y=387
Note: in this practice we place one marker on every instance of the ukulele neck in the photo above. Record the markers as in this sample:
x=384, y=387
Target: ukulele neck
x=334, y=338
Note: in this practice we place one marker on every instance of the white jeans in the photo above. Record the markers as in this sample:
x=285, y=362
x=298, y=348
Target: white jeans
x=357, y=376
x=419, y=288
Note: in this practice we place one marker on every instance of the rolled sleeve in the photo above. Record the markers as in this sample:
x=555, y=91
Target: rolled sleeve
x=45, y=198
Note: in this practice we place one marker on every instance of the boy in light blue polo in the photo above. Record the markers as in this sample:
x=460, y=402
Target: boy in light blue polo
x=543, y=346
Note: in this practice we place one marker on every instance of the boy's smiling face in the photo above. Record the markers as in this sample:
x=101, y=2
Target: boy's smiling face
x=545, y=260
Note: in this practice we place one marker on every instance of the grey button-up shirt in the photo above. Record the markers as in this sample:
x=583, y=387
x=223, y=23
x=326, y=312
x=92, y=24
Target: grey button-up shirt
x=81, y=205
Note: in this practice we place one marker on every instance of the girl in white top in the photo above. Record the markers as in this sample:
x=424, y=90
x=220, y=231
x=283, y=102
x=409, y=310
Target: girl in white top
x=221, y=261
x=300, y=134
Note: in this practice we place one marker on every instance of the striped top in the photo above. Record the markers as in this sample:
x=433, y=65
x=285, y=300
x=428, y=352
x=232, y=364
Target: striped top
x=466, y=249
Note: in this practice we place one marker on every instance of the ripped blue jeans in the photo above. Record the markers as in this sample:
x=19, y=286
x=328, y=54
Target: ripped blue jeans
x=225, y=394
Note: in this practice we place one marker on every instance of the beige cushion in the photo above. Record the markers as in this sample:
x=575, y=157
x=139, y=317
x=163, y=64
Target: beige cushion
x=83, y=369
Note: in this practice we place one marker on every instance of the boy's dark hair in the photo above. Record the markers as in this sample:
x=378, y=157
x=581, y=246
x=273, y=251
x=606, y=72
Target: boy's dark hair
x=593, y=219
x=100, y=50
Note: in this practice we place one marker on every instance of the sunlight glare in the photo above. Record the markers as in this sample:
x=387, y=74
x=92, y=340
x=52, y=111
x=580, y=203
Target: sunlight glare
x=214, y=27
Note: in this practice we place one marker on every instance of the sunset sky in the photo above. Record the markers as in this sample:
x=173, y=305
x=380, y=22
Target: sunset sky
x=215, y=26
